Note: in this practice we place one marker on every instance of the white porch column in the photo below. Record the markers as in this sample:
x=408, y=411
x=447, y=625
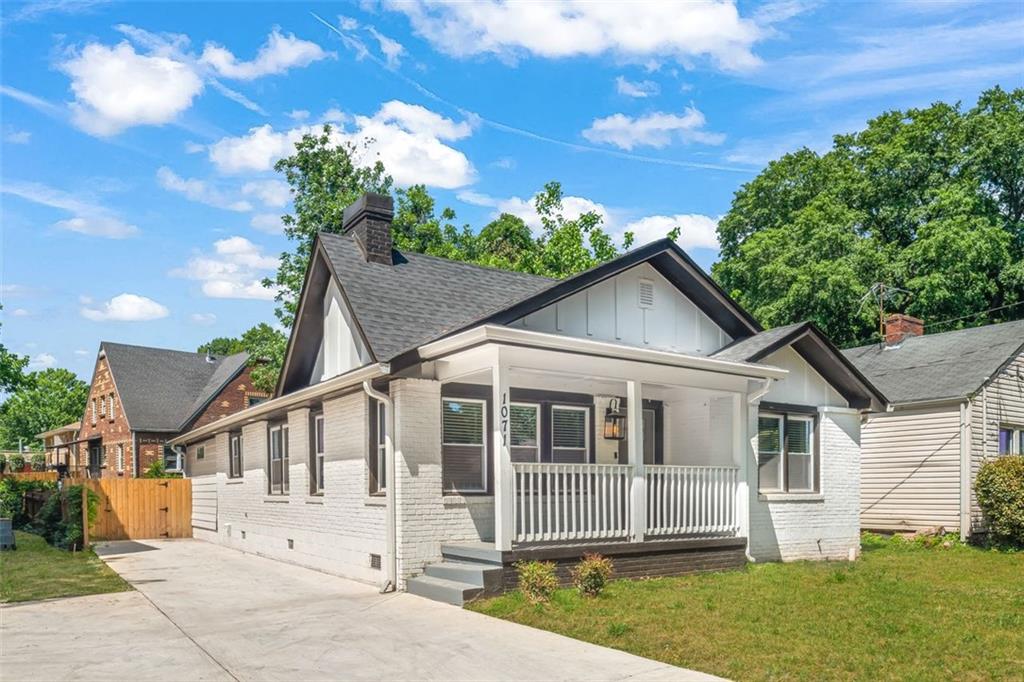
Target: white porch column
x=635, y=436
x=741, y=459
x=504, y=521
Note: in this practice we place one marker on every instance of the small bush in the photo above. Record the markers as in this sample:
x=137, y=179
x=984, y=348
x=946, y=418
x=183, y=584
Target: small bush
x=12, y=498
x=16, y=462
x=537, y=580
x=591, y=574
x=1000, y=489
x=157, y=469
x=38, y=460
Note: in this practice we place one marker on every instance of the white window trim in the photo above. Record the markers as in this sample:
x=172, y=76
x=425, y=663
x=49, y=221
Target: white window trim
x=810, y=451
x=382, y=448
x=482, y=446
x=784, y=453
x=103, y=406
x=586, y=430
x=319, y=450
x=781, y=418
x=283, y=428
x=235, y=448
x=536, y=411
x=1016, y=439
x=94, y=411
x=120, y=458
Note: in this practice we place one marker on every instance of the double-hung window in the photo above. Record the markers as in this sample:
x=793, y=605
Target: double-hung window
x=94, y=411
x=464, y=444
x=278, y=456
x=1011, y=440
x=785, y=453
x=570, y=433
x=524, y=432
x=110, y=409
x=316, y=463
x=235, y=455
x=380, y=450
x=120, y=458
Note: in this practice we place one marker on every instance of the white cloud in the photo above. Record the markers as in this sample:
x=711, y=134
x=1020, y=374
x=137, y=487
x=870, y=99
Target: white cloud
x=88, y=218
x=235, y=270
x=28, y=99
x=117, y=88
x=125, y=308
x=267, y=222
x=15, y=136
x=630, y=88
x=204, y=319
x=274, y=193
x=409, y=139
x=199, y=190
x=41, y=361
x=572, y=208
x=20, y=312
x=194, y=148
x=81, y=353
x=696, y=231
x=635, y=31
x=298, y=114
x=280, y=53
x=652, y=130
x=391, y=49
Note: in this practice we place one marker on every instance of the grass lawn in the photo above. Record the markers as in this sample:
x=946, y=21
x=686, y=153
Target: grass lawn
x=38, y=571
x=900, y=612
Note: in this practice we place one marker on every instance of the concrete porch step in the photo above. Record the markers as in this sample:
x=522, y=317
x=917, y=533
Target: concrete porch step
x=442, y=589
x=487, y=576
x=472, y=552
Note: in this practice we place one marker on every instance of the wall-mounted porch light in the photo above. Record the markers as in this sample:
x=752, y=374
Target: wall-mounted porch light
x=614, y=422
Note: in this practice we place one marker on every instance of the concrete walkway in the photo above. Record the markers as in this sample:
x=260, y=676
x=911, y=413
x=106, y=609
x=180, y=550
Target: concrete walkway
x=232, y=615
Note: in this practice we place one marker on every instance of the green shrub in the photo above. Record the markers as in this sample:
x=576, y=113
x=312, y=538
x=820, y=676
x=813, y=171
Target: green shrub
x=157, y=469
x=1000, y=489
x=38, y=460
x=16, y=462
x=3, y=463
x=73, y=535
x=591, y=574
x=537, y=580
x=12, y=497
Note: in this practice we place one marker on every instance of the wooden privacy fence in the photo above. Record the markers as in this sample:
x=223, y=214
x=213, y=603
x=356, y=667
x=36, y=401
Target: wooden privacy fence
x=141, y=508
x=32, y=475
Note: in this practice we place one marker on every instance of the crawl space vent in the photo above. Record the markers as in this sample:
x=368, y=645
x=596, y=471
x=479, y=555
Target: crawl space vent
x=375, y=561
x=646, y=298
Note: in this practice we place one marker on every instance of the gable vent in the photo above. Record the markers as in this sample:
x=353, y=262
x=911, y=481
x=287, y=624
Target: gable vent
x=646, y=293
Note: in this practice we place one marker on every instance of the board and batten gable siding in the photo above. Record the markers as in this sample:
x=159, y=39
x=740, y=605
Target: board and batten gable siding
x=803, y=385
x=910, y=469
x=335, y=532
x=1004, y=394
x=611, y=311
x=341, y=349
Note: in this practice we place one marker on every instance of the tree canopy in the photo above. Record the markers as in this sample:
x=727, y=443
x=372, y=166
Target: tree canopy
x=42, y=401
x=928, y=201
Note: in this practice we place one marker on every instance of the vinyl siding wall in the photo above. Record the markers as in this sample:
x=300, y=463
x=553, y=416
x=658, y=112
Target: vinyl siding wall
x=910, y=469
x=1005, y=397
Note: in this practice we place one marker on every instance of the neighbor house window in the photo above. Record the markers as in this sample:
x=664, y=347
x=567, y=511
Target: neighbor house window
x=94, y=410
x=120, y=458
x=172, y=458
x=110, y=410
x=524, y=432
x=201, y=452
x=103, y=406
x=316, y=461
x=785, y=453
x=1011, y=440
x=464, y=445
x=278, y=456
x=235, y=455
x=570, y=433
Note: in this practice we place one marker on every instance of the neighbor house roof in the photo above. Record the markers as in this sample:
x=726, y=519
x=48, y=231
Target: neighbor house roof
x=161, y=389
x=73, y=426
x=949, y=365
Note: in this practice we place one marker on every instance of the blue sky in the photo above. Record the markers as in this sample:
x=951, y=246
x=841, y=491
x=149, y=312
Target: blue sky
x=138, y=204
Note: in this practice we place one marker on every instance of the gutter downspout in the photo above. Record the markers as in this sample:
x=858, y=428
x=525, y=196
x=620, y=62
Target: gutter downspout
x=752, y=399
x=391, y=570
x=761, y=392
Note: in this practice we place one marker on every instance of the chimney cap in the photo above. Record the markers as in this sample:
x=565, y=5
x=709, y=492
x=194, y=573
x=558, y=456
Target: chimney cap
x=371, y=205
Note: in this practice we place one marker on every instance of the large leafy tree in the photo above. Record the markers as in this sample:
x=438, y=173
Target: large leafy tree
x=928, y=201
x=264, y=344
x=42, y=401
x=11, y=367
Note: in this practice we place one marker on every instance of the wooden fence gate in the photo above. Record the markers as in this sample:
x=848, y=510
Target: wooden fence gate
x=141, y=508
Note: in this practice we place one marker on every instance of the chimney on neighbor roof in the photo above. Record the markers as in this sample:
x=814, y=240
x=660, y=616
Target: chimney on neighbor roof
x=369, y=220
x=899, y=326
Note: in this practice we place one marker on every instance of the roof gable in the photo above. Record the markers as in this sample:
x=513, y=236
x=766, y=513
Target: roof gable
x=946, y=366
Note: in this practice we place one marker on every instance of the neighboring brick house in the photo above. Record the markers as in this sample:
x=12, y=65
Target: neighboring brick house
x=437, y=421
x=142, y=397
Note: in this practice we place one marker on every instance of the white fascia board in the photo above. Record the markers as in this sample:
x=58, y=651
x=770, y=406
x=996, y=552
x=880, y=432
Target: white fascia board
x=497, y=334
x=350, y=379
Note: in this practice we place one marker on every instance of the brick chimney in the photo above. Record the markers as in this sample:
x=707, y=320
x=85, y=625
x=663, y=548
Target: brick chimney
x=369, y=220
x=899, y=326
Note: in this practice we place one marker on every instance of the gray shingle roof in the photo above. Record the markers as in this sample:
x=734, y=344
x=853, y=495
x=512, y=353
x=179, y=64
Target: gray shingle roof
x=750, y=347
x=419, y=297
x=162, y=389
x=939, y=366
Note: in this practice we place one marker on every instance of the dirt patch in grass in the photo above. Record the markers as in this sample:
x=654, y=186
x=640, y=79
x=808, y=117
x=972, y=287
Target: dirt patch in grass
x=897, y=613
x=38, y=571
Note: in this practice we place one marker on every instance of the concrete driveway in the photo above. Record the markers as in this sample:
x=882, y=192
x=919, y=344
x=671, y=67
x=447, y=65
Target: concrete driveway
x=208, y=612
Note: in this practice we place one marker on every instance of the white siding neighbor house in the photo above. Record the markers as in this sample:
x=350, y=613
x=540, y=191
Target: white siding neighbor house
x=436, y=422
x=957, y=399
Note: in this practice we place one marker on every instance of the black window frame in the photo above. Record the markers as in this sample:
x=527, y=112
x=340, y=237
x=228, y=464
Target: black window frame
x=786, y=414
x=317, y=451
x=235, y=455
x=283, y=486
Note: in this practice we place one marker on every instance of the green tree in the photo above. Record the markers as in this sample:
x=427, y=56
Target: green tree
x=44, y=400
x=925, y=200
x=266, y=347
x=11, y=368
x=222, y=345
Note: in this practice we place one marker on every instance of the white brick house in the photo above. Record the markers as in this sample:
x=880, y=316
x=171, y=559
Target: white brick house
x=436, y=421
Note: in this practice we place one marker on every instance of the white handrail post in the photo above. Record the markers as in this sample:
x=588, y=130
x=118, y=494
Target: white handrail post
x=504, y=505
x=635, y=434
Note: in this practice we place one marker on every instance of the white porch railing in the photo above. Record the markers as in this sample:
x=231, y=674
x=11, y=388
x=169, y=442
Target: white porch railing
x=571, y=501
x=691, y=500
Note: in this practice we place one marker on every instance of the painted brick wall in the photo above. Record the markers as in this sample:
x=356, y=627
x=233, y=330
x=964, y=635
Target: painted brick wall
x=814, y=527
x=232, y=398
x=111, y=432
x=426, y=518
x=335, y=532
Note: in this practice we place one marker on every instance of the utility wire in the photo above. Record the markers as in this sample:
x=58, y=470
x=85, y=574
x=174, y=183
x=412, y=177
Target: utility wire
x=972, y=315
